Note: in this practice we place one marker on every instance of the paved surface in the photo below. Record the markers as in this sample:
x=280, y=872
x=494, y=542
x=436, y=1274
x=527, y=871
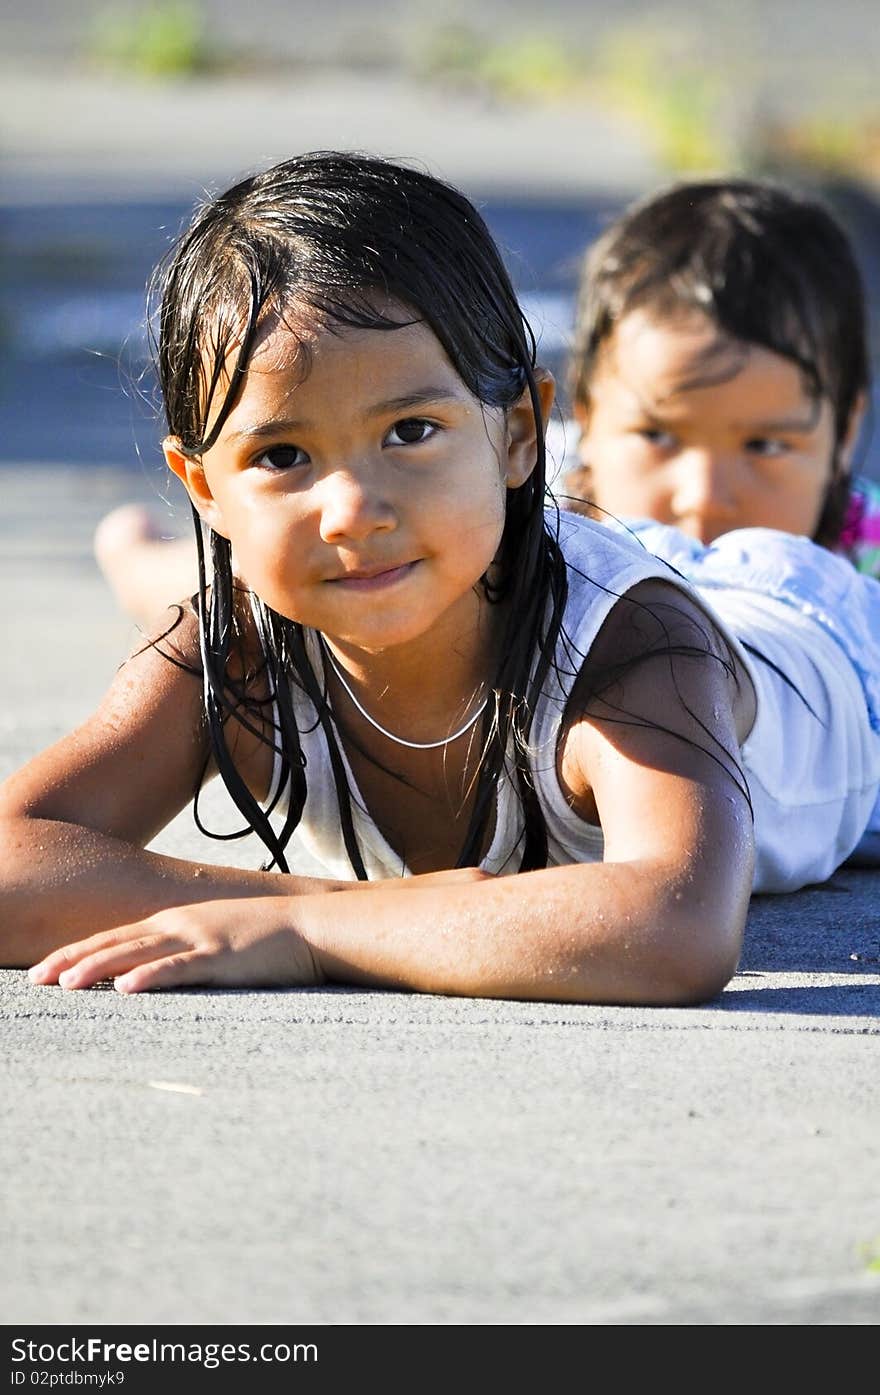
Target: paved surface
x=334, y=1156
x=343, y=1157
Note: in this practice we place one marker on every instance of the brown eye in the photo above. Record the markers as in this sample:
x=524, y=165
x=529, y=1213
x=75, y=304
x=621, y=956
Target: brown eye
x=282, y=457
x=411, y=431
x=765, y=445
x=656, y=437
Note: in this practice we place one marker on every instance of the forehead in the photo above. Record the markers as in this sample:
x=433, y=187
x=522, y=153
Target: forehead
x=662, y=363
x=340, y=367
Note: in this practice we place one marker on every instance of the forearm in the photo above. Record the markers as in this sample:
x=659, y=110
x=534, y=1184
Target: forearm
x=60, y=882
x=599, y=933
x=628, y=932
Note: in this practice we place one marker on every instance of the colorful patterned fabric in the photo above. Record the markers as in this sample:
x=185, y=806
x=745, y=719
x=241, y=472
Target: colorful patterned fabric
x=860, y=539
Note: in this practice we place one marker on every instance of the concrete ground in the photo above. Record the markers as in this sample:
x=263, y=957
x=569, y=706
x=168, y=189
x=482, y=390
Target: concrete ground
x=341, y=1157
x=333, y=1156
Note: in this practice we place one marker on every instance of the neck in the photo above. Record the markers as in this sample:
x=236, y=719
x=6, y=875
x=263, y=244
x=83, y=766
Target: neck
x=389, y=735
x=423, y=693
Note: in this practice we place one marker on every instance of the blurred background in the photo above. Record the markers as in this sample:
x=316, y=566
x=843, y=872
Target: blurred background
x=117, y=117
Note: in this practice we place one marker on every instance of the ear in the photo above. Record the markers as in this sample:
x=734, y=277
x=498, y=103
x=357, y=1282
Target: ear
x=522, y=429
x=191, y=473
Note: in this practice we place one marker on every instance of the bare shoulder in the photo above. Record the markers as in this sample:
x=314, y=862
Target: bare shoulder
x=170, y=658
x=655, y=619
x=132, y=765
x=164, y=665
x=661, y=688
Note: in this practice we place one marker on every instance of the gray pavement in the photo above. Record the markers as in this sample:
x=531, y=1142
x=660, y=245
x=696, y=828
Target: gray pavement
x=337, y=1157
x=341, y=1157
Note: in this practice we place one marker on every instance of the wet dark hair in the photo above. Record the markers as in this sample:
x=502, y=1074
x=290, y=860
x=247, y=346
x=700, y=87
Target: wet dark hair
x=331, y=238
x=767, y=265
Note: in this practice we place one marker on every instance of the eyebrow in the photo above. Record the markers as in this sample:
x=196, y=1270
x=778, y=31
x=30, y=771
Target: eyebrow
x=276, y=426
x=783, y=424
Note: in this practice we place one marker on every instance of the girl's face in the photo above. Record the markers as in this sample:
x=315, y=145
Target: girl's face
x=703, y=432
x=363, y=491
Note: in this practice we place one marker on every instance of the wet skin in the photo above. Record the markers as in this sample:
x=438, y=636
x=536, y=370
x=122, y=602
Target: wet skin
x=365, y=498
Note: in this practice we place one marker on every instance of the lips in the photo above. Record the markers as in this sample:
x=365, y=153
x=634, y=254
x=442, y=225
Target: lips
x=373, y=577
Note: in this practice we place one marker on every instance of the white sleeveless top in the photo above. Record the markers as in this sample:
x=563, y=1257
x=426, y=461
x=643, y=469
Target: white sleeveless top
x=812, y=778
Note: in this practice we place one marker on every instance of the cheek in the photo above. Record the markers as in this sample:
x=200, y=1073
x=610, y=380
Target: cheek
x=265, y=544
x=478, y=496
x=798, y=497
x=796, y=511
x=473, y=525
x=480, y=529
x=623, y=481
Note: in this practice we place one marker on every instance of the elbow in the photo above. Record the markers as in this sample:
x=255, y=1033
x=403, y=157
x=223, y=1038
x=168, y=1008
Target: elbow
x=676, y=969
x=694, y=963
x=695, y=983
x=695, y=949
x=673, y=964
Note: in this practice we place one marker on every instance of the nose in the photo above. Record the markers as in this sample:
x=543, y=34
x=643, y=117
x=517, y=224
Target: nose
x=354, y=504
x=705, y=499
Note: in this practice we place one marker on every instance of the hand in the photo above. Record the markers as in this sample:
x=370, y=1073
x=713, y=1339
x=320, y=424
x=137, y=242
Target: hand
x=233, y=943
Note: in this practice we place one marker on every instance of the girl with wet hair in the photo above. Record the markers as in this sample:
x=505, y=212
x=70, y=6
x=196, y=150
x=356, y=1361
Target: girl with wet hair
x=720, y=376
x=709, y=314
x=530, y=760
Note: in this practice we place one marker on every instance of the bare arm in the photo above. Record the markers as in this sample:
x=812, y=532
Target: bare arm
x=75, y=821
x=659, y=921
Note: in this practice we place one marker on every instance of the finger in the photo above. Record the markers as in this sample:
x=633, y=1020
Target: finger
x=186, y=969
x=49, y=968
x=119, y=959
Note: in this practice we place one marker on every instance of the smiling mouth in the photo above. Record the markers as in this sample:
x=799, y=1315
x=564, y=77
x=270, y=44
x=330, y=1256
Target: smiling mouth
x=373, y=580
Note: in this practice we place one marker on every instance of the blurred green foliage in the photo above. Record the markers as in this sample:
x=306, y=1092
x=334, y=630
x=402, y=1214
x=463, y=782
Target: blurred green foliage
x=703, y=97
x=681, y=104
x=704, y=101
x=534, y=67
x=530, y=67
x=636, y=71
x=871, y=1255
x=162, y=39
